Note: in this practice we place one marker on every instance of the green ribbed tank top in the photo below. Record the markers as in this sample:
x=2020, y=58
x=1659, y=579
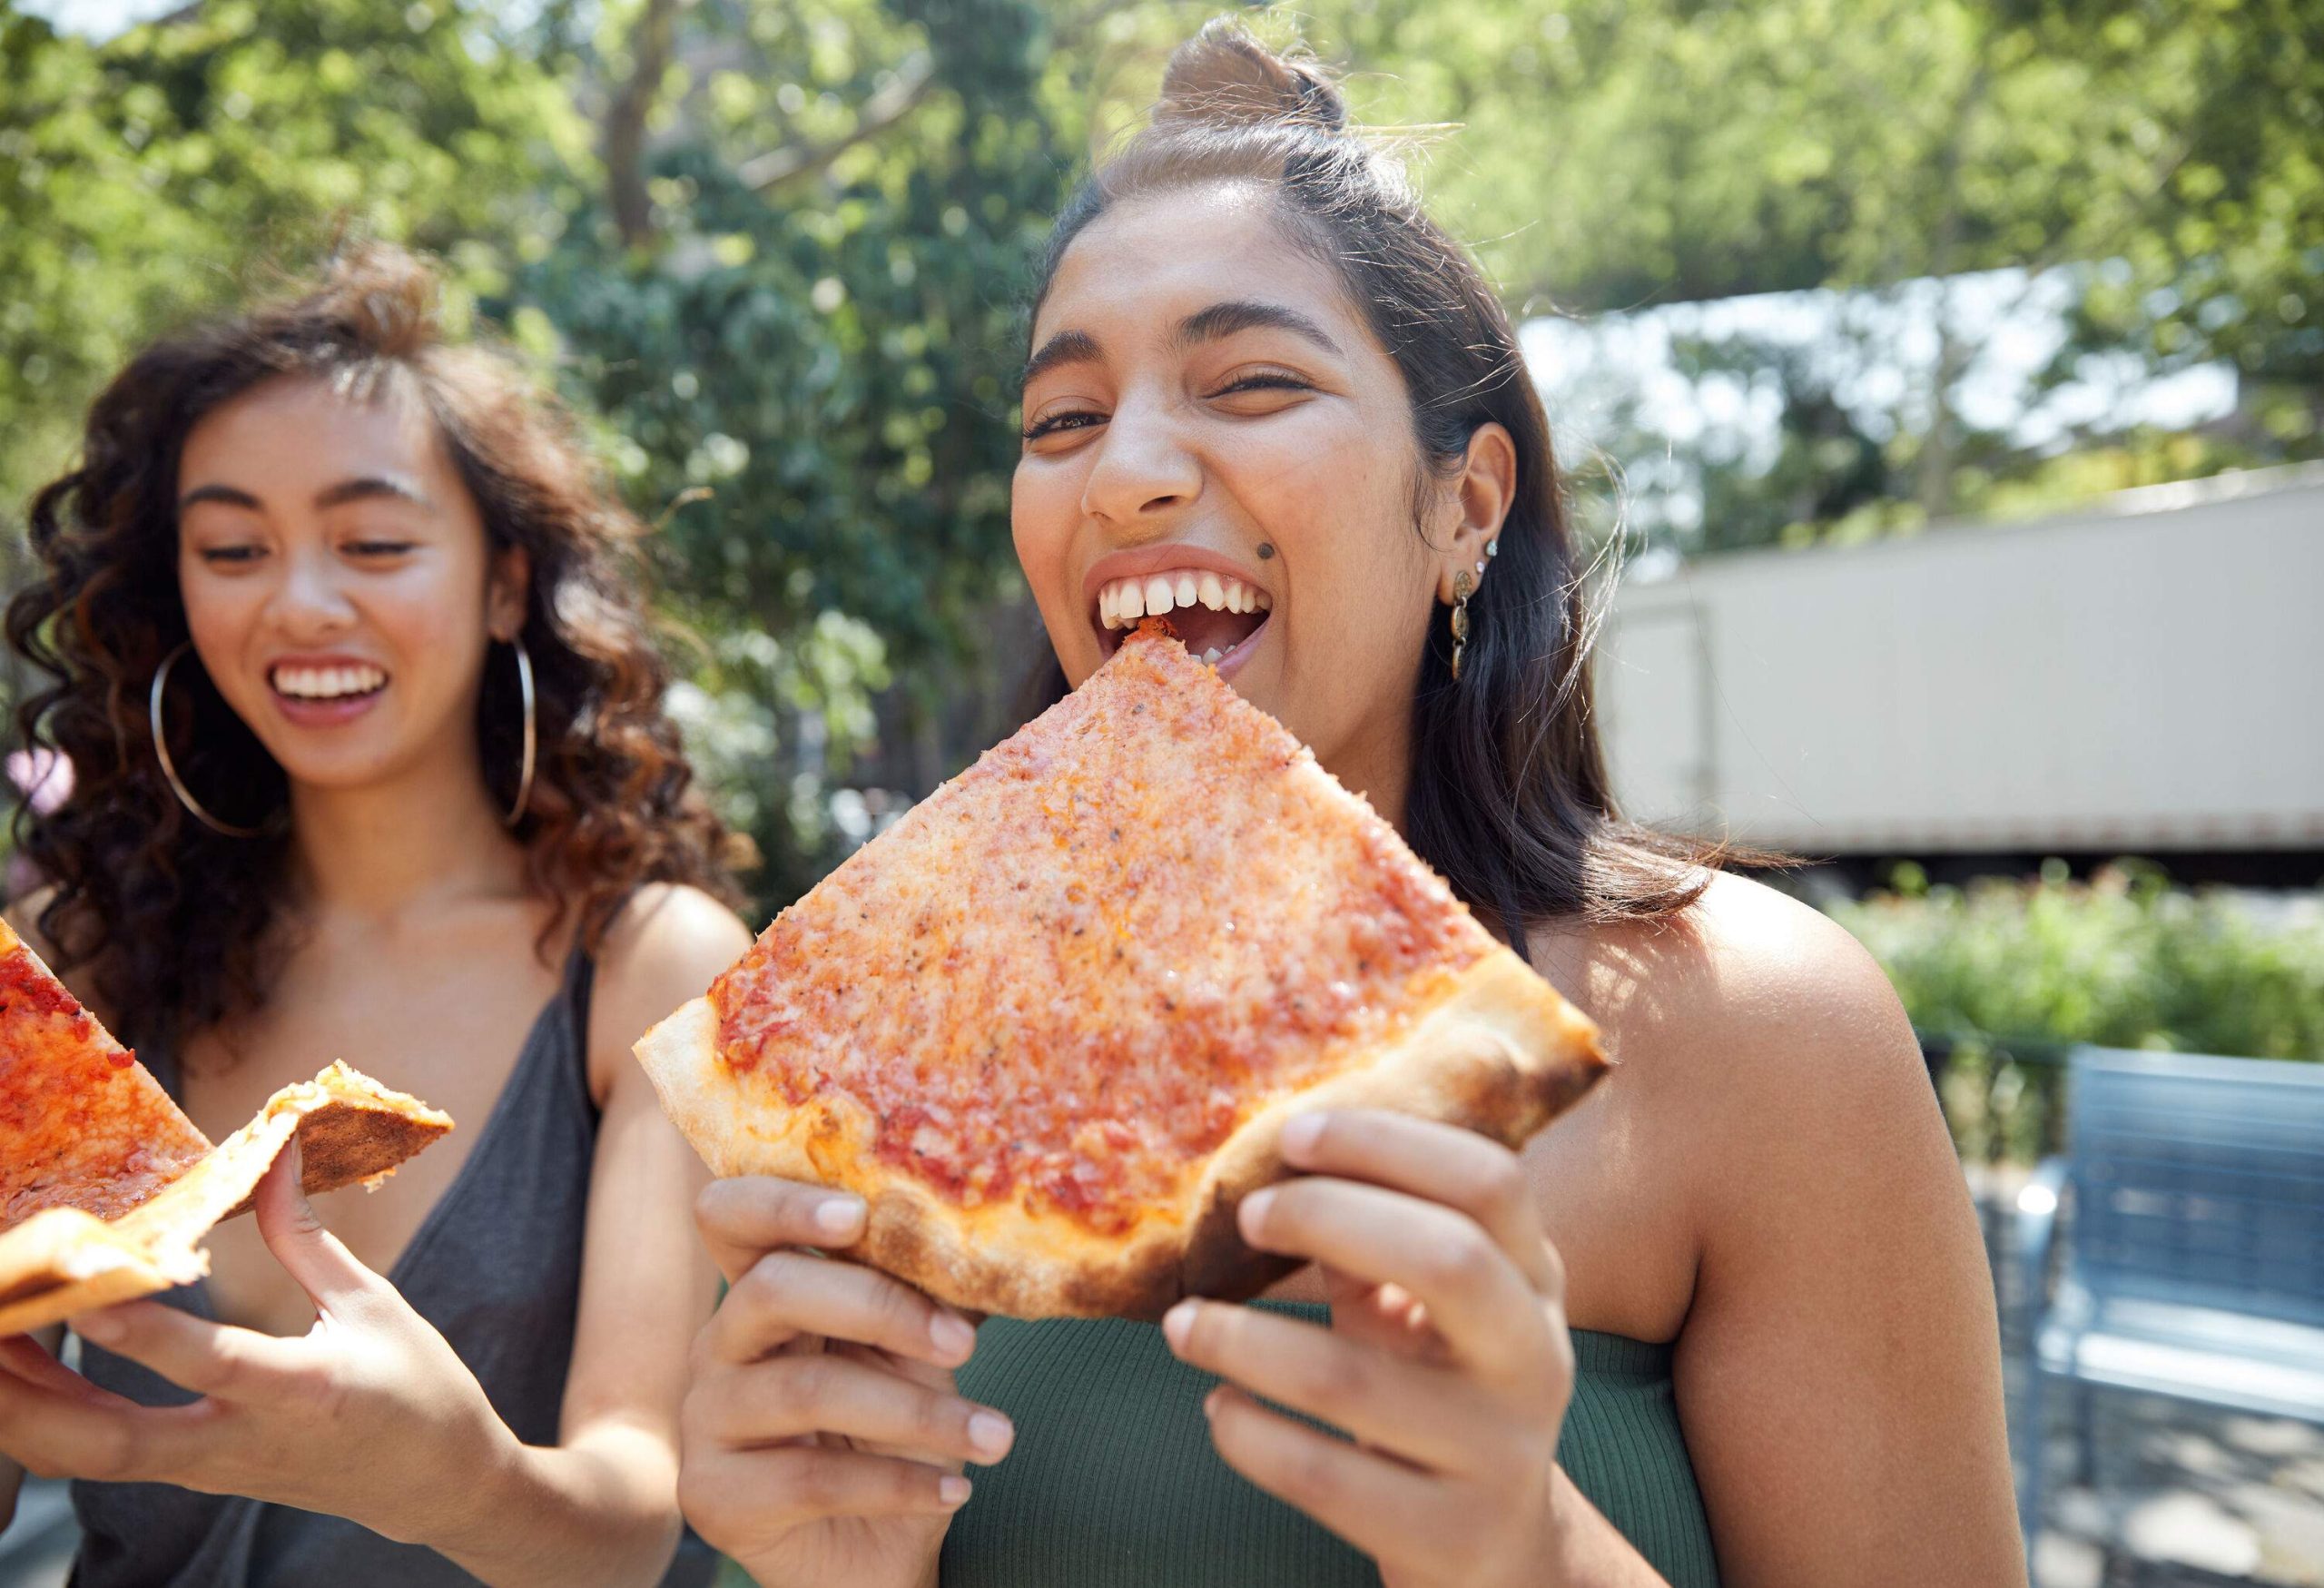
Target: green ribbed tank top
x=1113, y=1482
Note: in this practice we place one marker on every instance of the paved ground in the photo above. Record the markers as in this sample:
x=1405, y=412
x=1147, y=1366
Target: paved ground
x=2180, y=1495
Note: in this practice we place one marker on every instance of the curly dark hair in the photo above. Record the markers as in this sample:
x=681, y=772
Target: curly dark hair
x=175, y=920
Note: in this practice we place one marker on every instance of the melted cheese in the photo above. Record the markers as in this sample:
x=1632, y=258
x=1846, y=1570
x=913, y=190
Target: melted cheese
x=1064, y=978
x=82, y=1124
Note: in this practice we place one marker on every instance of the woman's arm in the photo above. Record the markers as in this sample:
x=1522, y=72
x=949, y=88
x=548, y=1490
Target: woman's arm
x=1840, y=1373
x=601, y=1506
x=370, y=1416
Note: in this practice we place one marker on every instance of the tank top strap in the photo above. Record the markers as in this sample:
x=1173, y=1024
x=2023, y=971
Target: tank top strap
x=575, y=988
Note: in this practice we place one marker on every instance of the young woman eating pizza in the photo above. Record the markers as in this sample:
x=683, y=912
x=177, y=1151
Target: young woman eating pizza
x=370, y=763
x=1729, y=1322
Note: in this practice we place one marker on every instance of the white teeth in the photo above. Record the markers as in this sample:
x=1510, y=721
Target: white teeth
x=1212, y=655
x=328, y=683
x=1123, y=602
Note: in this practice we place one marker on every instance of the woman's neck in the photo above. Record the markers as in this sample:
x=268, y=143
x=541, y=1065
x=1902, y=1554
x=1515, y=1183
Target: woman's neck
x=379, y=850
x=1378, y=764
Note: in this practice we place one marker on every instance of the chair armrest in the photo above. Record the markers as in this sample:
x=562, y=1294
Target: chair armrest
x=2034, y=1221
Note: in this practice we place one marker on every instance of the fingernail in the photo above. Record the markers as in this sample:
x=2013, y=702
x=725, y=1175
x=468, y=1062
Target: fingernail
x=840, y=1215
x=100, y=1326
x=1178, y=1321
x=952, y=1489
x=989, y=1434
x=1253, y=1215
x=1300, y=1134
x=951, y=1335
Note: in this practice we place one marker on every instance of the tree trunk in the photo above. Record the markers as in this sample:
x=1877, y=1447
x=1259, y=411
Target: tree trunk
x=626, y=123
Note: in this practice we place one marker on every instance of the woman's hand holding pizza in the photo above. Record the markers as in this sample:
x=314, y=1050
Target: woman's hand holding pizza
x=1448, y=1359
x=822, y=1440
x=370, y=1415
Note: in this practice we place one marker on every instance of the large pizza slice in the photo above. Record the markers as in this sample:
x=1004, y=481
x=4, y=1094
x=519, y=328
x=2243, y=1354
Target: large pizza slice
x=1049, y=1023
x=106, y=1188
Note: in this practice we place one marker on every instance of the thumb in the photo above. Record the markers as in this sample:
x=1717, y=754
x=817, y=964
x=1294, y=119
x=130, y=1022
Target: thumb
x=317, y=1259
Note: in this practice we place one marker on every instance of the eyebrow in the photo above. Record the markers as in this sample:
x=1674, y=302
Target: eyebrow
x=1207, y=325
x=362, y=488
x=1224, y=320
x=1067, y=347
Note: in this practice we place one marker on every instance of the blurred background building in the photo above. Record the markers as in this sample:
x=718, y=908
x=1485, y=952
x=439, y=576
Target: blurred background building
x=1944, y=376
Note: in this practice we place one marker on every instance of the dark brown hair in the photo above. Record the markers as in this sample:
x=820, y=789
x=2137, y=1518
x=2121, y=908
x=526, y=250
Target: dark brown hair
x=1509, y=797
x=174, y=919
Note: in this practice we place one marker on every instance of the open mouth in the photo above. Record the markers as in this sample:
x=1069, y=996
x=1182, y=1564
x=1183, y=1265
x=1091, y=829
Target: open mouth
x=1215, y=615
x=327, y=685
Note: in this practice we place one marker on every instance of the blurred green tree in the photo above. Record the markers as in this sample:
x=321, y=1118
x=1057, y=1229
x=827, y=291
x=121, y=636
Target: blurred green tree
x=794, y=302
x=144, y=179
x=777, y=252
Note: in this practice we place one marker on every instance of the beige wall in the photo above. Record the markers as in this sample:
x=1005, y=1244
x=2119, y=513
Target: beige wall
x=2151, y=673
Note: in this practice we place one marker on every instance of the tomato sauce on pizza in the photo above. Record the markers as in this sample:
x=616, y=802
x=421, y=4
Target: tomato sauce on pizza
x=1070, y=975
x=82, y=1124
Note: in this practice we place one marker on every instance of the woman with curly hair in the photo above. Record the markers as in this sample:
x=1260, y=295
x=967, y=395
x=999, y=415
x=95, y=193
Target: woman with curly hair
x=368, y=762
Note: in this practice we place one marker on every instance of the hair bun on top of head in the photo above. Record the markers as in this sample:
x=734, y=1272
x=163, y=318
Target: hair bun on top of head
x=1224, y=77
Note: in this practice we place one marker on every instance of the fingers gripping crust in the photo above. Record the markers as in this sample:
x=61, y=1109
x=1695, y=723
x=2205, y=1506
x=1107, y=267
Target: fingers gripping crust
x=62, y=1261
x=1049, y=1023
x=1501, y=1053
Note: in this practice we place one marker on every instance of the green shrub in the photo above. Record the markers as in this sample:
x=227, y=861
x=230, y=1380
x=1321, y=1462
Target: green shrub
x=2009, y=974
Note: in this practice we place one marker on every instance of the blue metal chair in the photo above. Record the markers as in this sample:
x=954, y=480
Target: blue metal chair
x=2193, y=1259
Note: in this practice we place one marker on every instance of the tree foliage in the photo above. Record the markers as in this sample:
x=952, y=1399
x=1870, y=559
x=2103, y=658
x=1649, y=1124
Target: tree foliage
x=777, y=254
x=153, y=177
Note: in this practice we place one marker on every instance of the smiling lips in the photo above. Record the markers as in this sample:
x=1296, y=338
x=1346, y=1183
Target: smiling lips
x=327, y=683
x=325, y=692
x=1214, y=614
x=1122, y=602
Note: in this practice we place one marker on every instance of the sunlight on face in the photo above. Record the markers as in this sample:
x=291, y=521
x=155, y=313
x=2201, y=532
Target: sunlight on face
x=337, y=579
x=1203, y=399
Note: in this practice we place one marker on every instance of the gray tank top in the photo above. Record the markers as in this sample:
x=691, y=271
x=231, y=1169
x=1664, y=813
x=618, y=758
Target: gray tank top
x=496, y=1266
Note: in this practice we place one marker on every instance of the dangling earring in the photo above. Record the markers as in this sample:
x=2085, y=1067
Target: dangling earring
x=532, y=731
x=170, y=767
x=1464, y=584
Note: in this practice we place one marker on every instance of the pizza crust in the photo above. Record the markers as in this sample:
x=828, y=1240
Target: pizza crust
x=1499, y=1052
x=62, y=1261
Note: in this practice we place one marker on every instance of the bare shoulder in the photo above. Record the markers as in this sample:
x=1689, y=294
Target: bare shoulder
x=671, y=928
x=665, y=948
x=1748, y=980
x=1750, y=1027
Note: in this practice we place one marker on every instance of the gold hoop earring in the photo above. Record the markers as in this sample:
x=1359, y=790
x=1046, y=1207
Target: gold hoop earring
x=1464, y=584
x=170, y=767
x=515, y=812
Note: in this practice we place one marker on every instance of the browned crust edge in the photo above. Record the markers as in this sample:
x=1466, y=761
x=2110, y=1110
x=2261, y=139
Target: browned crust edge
x=62, y=1261
x=1500, y=1053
